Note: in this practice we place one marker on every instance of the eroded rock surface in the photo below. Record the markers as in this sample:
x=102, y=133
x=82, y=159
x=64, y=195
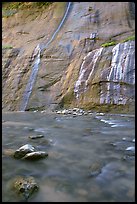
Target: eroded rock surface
x=74, y=70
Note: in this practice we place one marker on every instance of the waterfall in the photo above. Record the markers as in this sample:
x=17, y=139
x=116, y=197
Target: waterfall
x=86, y=71
x=36, y=57
x=28, y=90
x=123, y=63
x=60, y=25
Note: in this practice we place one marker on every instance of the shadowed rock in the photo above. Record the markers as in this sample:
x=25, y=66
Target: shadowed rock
x=35, y=155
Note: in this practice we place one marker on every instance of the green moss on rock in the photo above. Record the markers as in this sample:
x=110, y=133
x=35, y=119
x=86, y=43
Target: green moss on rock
x=108, y=44
x=129, y=38
x=7, y=47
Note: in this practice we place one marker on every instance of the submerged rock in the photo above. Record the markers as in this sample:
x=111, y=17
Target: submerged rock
x=25, y=186
x=95, y=169
x=22, y=151
x=8, y=152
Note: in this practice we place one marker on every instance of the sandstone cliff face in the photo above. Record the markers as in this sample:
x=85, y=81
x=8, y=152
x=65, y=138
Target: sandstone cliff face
x=74, y=69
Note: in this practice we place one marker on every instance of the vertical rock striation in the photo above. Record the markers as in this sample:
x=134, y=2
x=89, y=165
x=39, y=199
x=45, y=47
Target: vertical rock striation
x=86, y=71
x=121, y=77
x=112, y=71
x=74, y=69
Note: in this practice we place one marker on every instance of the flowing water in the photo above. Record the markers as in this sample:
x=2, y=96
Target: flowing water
x=32, y=77
x=91, y=158
x=36, y=61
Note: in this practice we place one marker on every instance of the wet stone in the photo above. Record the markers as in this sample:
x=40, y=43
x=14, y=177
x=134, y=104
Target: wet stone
x=22, y=151
x=74, y=112
x=29, y=128
x=35, y=155
x=130, y=151
x=36, y=136
x=25, y=186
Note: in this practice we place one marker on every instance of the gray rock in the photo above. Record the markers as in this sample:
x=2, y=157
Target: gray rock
x=35, y=155
x=36, y=136
x=22, y=151
x=130, y=151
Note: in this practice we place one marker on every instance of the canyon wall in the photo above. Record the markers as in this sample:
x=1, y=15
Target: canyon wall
x=90, y=63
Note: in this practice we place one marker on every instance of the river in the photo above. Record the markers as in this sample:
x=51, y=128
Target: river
x=91, y=158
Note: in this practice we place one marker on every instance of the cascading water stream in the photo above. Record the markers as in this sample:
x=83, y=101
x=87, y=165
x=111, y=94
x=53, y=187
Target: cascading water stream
x=36, y=57
x=32, y=78
x=122, y=63
x=82, y=82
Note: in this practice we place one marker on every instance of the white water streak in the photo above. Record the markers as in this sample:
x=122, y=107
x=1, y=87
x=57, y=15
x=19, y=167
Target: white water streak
x=122, y=63
x=36, y=57
x=32, y=78
x=83, y=69
x=94, y=61
x=60, y=25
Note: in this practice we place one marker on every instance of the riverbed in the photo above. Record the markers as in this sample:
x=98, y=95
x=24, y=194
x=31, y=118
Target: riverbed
x=91, y=158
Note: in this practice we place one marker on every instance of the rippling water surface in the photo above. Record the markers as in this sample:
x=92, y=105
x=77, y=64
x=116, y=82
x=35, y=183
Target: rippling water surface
x=90, y=158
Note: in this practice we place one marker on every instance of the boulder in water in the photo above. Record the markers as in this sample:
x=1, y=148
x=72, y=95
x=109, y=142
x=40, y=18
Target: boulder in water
x=35, y=155
x=22, y=151
x=25, y=186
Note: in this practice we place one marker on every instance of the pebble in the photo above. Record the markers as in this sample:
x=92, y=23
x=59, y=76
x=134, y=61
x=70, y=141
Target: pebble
x=44, y=111
x=36, y=136
x=130, y=151
x=29, y=128
x=130, y=148
x=75, y=112
x=35, y=111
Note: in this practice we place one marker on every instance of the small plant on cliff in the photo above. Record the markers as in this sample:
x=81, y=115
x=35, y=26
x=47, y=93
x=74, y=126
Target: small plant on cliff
x=108, y=44
x=7, y=47
x=13, y=5
x=23, y=5
x=43, y=4
x=129, y=38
